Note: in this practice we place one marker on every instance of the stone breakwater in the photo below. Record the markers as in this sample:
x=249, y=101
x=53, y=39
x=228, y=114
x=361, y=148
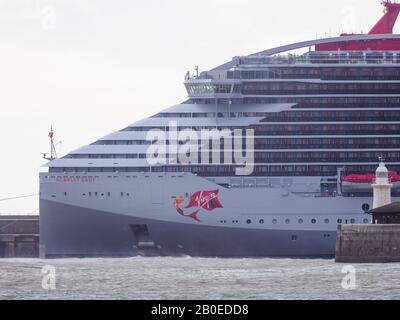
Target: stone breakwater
x=19, y=236
x=368, y=243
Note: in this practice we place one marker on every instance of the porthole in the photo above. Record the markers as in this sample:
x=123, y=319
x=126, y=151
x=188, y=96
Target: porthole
x=261, y=221
x=366, y=221
x=353, y=221
x=339, y=221
x=287, y=221
x=301, y=221
x=313, y=221
x=274, y=221
x=248, y=221
x=365, y=207
x=326, y=221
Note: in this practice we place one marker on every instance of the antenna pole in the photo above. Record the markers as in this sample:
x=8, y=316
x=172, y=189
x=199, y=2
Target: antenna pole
x=53, y=152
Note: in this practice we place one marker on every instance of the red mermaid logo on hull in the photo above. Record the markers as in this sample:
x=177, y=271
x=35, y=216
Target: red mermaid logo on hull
x=207, y=200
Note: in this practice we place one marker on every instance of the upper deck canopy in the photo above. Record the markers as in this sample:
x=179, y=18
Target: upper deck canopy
x=380, y=38
x=395, y=38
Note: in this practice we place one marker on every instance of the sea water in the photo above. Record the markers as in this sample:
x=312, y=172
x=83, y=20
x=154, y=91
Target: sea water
x=196, y=278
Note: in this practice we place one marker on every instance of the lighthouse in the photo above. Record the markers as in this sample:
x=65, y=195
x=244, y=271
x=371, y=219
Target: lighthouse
x=382, y=187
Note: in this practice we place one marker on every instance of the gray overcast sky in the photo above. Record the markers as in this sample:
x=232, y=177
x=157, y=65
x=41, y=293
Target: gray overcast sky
x=90, y=67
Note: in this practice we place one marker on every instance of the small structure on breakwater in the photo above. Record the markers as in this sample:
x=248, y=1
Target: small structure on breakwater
x=19, y=236
x=388, y=214
x=380, y=241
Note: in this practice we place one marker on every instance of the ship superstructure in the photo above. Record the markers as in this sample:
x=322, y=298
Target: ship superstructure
x=317, y=123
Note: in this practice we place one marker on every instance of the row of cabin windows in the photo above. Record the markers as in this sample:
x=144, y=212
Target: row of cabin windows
x=366, y=115
x=102, y=194
x=122, y=142
x=324, y=156
x=325, y=129
x=107, y=156
x=274, y=143
x=309, y=102
x=284, y=91
x=309, y=88
x=261, y=144
x=319, y=101
x=324, y=100
x=229, y=171
x=282, y=129
x=315, y=102
x=349, y=73
x=317, y=143
x=212, y=115
x=313, y=221
x=180, y=128
x=365, y=106
x=262, y=157
x=343, y=101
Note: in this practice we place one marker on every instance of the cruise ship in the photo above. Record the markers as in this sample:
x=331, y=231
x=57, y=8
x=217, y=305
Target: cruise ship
x=299, y=137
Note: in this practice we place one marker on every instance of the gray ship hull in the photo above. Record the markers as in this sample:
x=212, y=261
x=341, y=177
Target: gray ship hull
x=75, y=231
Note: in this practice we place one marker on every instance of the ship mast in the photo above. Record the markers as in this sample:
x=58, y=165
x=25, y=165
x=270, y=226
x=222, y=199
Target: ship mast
x=53, y=152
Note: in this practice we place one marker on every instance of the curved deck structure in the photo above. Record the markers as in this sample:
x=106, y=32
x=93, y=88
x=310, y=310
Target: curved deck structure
x=316, y=42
